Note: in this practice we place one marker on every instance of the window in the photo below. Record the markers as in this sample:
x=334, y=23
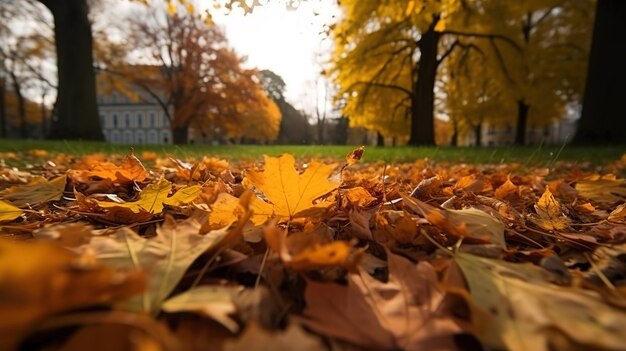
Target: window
x=139, y=119
x=166, y=121
x=127, y=117
x=152, y=119
x=165, y=135
x=113, y=98
x=115, y=136
x=139, y=137
x=128, y=137
x=115, y=120
x=152, y=137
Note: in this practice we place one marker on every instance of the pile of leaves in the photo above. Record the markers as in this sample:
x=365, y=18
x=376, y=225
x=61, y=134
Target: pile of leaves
x=109, y=252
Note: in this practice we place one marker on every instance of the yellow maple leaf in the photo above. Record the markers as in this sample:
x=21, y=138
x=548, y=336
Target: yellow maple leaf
x=36, y=191
x=227, y=209
x=151, y=201
x=549, y=213
x=8, y=212
x=292, y=194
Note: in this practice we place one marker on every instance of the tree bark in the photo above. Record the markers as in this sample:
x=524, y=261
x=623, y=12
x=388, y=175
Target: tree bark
x=180, y=135
x=423, y=99
x=77, y=113
x=478, y=134
x=522, y=121
x=3, y=107
x=380, y=140
x=603, y=119
x=21, y=105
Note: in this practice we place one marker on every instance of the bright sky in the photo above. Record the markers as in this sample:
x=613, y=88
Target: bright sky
x=286, y=41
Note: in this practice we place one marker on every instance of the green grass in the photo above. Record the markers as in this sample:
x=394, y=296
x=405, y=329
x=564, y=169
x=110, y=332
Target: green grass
x=531, y=155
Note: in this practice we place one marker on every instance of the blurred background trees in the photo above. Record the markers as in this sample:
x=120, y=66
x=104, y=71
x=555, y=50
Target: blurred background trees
x=420, y=72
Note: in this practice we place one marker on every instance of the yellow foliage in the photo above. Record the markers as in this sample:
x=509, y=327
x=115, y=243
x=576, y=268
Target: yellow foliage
x=292, y=194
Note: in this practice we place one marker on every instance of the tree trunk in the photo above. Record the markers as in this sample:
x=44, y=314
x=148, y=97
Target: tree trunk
x=21, y=105
x=3, y=108
x=77, y=113
x=478, y=134
x=423, y=99
x=522, y=120
x=180, y=135
x=603, y=119
x=455, y=135
x=380, y=139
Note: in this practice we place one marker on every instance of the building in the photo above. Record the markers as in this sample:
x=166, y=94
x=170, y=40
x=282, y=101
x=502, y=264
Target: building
x=555, y=133
x=133, y=117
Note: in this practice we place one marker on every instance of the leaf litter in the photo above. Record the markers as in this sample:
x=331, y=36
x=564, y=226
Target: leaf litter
x=196, y=254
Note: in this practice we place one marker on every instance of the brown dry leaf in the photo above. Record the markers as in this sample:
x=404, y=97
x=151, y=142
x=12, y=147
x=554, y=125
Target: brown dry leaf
x=516, y=308
x=618, y=214
x=468, y=223
x=215, y=302
x=131, y=170
x=293, y=194
x=166, y=256
x=68, y=235
x=358, y=196
x=473, y=184
x=293, y=338
x=585, y=208
x=406, y=313
x=39, y=279
x=36, y=191
x=355, y=155
x=307, y=250
x=506, y=189
x=8, y=212
x=151, y=202
x=549, y=213
x=603, y=190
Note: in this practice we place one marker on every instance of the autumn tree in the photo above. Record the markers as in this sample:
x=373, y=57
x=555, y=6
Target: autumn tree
x=541, y=65
x=185, y=65
x=294, y=127
x=472, y=97
x=23, y=51
x=603, y=111
x=76, y=110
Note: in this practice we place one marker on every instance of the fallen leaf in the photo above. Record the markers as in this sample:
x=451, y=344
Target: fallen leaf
x=151, y=202
x=68, y=235
x=603, y=190
x=618, y=214
x=9, y=212
x=467, y=223
x=522, y=309
x=227, y=209
x=355, y=155
x=549, y=213
x=293, y=194
x=166, y=256
x=258, y=339
x=406, y=313
x=358, y=196
x=36, y=191
x=505, y=190
x=131, y=170
x=40, y=279
x=306, y=250
x=215, y=302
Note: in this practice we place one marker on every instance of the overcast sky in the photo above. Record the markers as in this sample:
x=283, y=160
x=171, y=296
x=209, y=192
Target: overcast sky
x=286, y=41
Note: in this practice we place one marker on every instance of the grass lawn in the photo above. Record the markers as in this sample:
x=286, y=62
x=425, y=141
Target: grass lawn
x=535, y=155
